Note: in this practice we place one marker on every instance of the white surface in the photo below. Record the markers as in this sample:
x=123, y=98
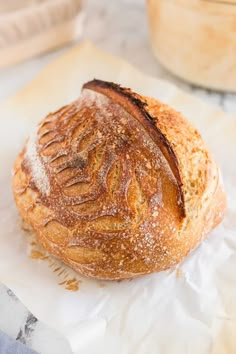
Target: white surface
x=123, y=317
x=17, y=322
x=119, y=27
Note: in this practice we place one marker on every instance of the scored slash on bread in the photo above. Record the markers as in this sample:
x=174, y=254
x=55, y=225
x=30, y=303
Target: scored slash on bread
x=118, y=185
x=133, y=104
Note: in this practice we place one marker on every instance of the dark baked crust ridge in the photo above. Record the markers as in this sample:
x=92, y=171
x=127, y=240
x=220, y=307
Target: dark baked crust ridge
x=121, y=96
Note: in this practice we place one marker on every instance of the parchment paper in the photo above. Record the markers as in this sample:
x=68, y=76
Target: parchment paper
x=189, y=309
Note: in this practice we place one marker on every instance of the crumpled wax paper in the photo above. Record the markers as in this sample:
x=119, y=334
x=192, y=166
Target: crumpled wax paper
x=188, y=309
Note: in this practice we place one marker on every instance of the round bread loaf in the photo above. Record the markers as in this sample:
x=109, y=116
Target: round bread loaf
x=117, y=185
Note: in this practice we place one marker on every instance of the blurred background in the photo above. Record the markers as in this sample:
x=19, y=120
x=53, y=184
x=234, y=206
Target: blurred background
x=191, y=43
x=193, y=39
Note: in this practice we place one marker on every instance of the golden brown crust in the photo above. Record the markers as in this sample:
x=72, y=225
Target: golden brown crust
x=117, y=185
x=138, y=108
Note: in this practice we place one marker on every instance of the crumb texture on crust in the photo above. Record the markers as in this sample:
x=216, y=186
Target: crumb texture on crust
x=117, y=185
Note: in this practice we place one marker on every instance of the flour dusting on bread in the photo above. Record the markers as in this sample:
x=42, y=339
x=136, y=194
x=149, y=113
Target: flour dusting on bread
x=38, y=172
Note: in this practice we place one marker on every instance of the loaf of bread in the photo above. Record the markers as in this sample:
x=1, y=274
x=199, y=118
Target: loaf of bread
x=117, y=185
